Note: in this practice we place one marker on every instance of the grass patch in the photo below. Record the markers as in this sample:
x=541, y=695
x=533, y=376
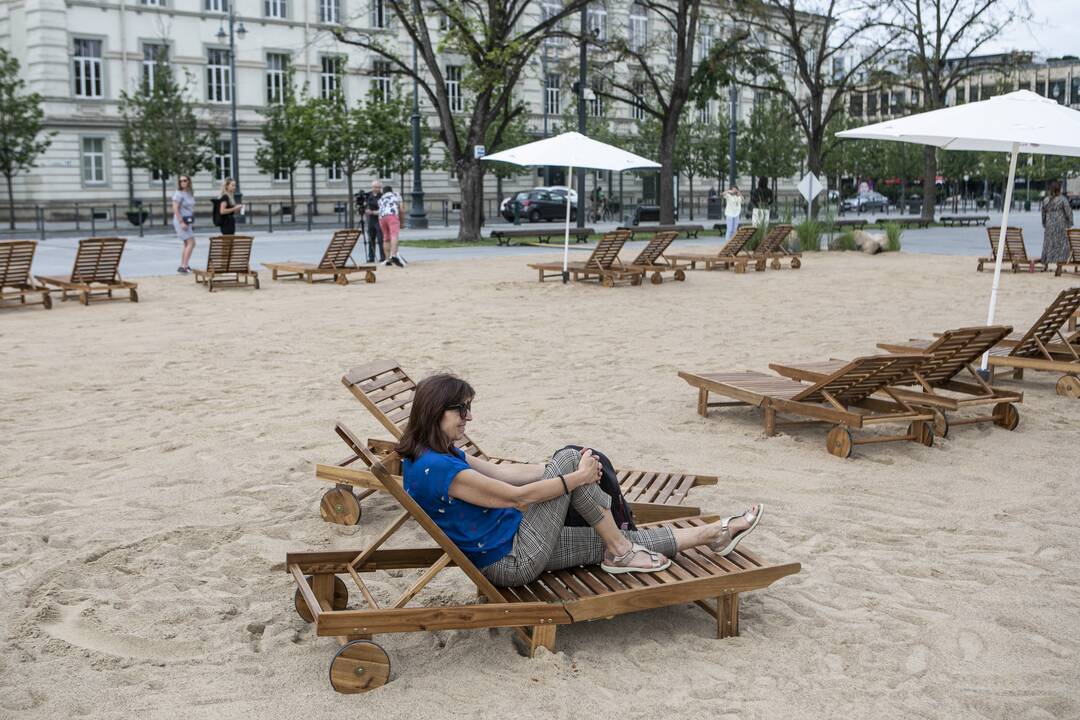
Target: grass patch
x=844, y=241
x=809, y=234
x=757, y=237
x=892, y=237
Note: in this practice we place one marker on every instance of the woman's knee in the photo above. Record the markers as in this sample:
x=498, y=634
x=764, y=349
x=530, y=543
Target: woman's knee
x=563, y=462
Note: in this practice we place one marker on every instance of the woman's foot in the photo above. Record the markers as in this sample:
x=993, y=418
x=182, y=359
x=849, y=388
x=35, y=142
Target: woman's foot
x=181, y=269
x=733, y=529
x=637, y=559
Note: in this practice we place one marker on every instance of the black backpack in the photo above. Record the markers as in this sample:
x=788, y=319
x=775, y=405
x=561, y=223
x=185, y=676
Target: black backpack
x=609, y=483
x=215, y=214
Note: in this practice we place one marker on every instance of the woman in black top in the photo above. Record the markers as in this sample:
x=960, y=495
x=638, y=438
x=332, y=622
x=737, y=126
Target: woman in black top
x=227, y=207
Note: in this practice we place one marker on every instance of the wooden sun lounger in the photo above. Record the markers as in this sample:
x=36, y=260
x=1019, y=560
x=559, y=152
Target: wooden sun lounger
x=1074, y=256
x=534, y=611
x=603, y=264
x=724, y=259
x=1015, y=251
x=337, y=263
x=771, y=248
x=842, y=399
x=935, y=382
x=16, y=283
x=652, y=259
x=228, y=263
x=385, y=389
x=96, y=272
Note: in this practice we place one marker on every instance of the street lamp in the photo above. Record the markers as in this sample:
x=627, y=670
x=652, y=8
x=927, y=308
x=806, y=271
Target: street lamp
x=234, y=30
x=418, y=219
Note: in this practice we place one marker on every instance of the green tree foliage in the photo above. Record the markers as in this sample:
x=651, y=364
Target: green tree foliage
x=160, y=131
x=389, y=122
x=701, y=152
x=345, y=141
x=312, y=140
x=771, y=141
x=285, y=135
x=21, y=120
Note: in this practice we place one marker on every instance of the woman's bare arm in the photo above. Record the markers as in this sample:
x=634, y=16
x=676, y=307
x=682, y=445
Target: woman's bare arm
x=479, y=489
x=512, y=473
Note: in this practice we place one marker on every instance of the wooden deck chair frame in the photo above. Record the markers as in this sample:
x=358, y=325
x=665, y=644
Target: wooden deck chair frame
x=336, y=265
x=1015, y=250
x=935, y=383
x=733, y=248
x=228, y=263
x=16, y=282
x=534, y=611
x=603, y=263
x=96, y=272
x=1073, y=260
x=385, y=390
x=770, y=250
x=651, y=260
x=842, y=400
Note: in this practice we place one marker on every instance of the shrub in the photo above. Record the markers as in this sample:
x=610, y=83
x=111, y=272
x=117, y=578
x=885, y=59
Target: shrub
x=844, y=241
x=809, y=234
x=758, y=236
x=892, y=234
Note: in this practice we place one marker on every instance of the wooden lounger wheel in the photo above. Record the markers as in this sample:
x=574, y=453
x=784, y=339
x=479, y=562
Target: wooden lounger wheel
x=796, y=263
x=656, y=278
x=922, y=432
x=46, y=301
x=339, y=601
x=340, y=506
x=775, y=264
x=359, y=666
x=341, y=280
x=680, y=275
x=1069, y=386
x=608, y=281
x=369, y=276
x=134, y=296
x=838, y=442
x=1006, y=415
x=941, y=424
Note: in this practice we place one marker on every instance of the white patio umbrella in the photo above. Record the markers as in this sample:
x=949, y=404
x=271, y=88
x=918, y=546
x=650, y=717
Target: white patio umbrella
x=1018, y=122
x=572, y=150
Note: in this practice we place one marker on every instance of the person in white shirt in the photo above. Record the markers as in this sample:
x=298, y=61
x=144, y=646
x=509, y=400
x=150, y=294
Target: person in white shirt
x=732, y=210
x=390, y=222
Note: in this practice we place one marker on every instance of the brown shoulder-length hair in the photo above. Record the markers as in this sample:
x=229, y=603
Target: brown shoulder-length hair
x=1054, y=188
x=432, y=397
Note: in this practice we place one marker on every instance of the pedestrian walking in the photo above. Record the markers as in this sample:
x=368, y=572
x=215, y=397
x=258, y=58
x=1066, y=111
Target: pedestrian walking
x=761, y=200
x=732, y=210
x=1057, y=218
x=390, y=222
x=227, y=207
x=371, y=217
x=183, y=202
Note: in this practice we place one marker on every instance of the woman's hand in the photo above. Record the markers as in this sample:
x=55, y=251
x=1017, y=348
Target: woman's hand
x=588, y=470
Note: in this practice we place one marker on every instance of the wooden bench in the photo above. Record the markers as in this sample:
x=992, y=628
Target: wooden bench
x=690, y=230
x=505, y=236
x=963, y=220
x=856, y=223
x=904, y=222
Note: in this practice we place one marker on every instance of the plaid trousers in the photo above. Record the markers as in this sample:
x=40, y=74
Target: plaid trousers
x=543, y=543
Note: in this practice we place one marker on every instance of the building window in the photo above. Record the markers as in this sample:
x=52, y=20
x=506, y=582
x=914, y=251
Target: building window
x=855, y=105
x=871, y=103
x=914, y=100
x=380, y=18
x=1040, y=87
x=281, y=175
x=275, y=9
x=330, y=11
x=93, y=160
x=152, y=55
x=88, y=68
x=218, y=76
x=334, y=173
x=639, y=27
x=153, y=3
x=897, y=102
x=705, y=113
x=453, y=88
x=333, y=67
x=705, y=41
x=1057, y=91
x=553, y=95
x=1024, y=85
x=548, y=10
x=444, y=22
x=884, y=102
x=595, y=106
x=1075, y=92
x=380, y=78
x=223, y=159
x=221, y=6
x=597, y=19
x=277, y=66
x=637, y=109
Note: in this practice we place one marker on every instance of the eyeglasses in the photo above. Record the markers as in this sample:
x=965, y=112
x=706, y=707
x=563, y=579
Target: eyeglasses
x=463, y=409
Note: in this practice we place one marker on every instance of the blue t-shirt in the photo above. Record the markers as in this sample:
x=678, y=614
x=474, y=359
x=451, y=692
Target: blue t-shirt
x=485, y=535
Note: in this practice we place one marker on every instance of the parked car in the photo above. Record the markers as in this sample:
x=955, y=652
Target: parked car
x=864, y=202
x=1074, y=201
x=507, y=210
x=539, y=204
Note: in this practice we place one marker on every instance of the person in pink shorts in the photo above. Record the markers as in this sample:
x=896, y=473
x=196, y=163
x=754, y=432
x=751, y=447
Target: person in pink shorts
x=390, y=222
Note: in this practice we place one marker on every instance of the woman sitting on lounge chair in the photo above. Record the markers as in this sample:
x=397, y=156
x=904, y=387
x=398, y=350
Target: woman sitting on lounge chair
x=509, y=518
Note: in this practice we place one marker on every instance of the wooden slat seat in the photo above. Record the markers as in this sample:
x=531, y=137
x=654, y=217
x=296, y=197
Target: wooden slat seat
x=724, y=259
x=1015, y=254
x=533, y=611
x=228, y=263
x=336, y=264
x=603, y=264
x=1073, y=261
x=842, y=399
x=96, y=272
x=16, y=283
x=653, y=262
x=771, y=249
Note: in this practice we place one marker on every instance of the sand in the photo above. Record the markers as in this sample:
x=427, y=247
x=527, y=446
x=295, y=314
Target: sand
x=157, y=463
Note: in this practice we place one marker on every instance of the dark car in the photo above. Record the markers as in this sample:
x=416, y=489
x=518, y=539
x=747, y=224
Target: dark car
x=537, y=205
x=1074, y=202
x=864, y=202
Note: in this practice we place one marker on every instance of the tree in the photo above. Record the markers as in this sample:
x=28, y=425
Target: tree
x=311, y=140
x=345, y=142
x=941, y=38
x=21, y=122
x=496, y=43
x=815, y=39
x=284, y=137
x=389, y=122
x=771, y=141
x=160, y=131
x=516, y=133
x=701, y=152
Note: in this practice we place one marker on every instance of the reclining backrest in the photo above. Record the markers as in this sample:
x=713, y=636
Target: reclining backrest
x=339, y=251
x=98, y=260
x=862, y=377
x=956, y=349
x=230, y=253
x=607, y=250
x=1015, y=251
x=738, y=242
x=774, y=238
x=1049, y=323
x=16, y=256
x=656, y=247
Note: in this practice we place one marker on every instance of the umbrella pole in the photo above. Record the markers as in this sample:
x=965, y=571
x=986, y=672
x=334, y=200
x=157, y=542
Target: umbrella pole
x=566, y=239
x=1001, y=247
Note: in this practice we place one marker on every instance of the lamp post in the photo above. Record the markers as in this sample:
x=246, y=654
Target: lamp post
x=582, y=64
x=417, y=214
x=733, y=97
x=234, y=30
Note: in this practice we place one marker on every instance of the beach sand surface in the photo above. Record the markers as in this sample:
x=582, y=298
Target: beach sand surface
x=158, y=459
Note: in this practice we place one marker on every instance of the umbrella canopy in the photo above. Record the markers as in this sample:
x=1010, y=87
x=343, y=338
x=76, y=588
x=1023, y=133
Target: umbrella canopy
x=572, y=150
x=1017, y=122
